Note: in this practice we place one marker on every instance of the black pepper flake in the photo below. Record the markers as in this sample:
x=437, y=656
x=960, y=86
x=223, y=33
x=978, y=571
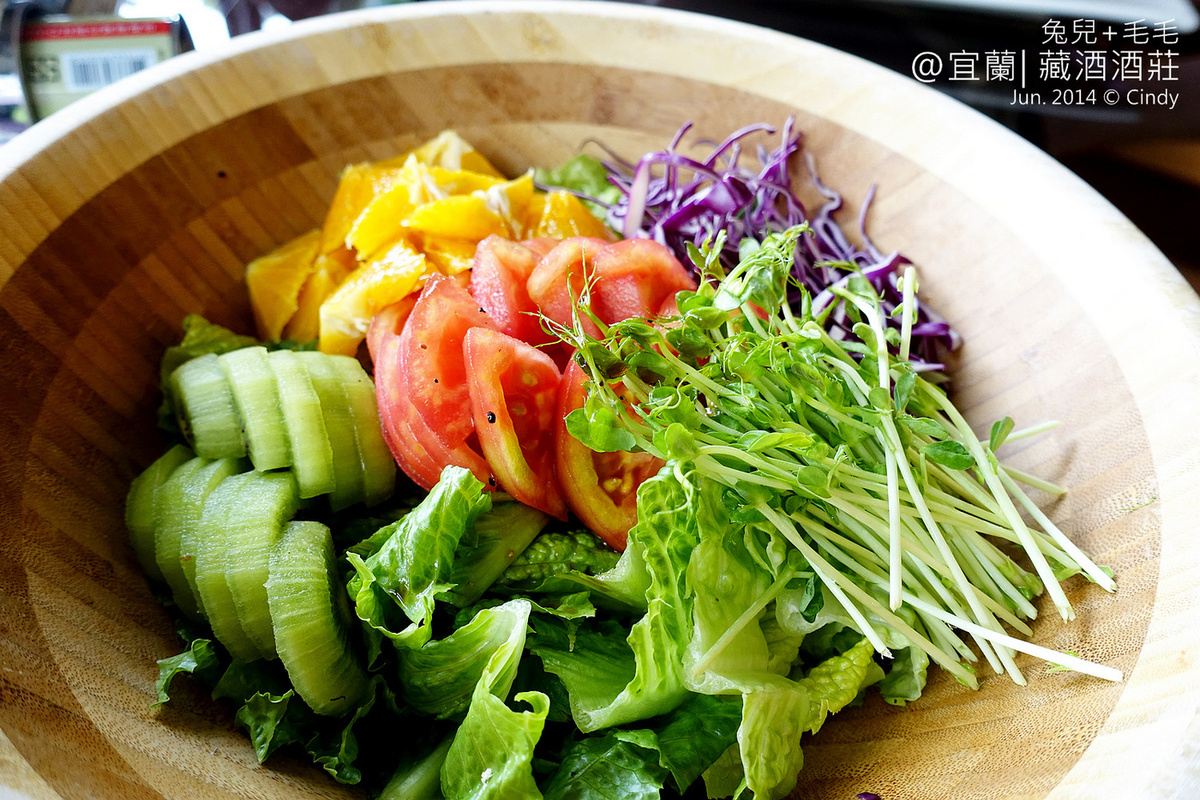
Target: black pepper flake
x=491, y=481
x=435, y=380
x=481, y=311
x=491, y=416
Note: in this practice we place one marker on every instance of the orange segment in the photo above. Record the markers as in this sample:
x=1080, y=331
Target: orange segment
x=462, y=181
x=451, y=256
x=381, y=220
x=449, y=151
x=562, y=215
x=390, y=223
x=463, y=216
x=347, y=313
x=497, y=210
x=356, y=189
x=329, y=270
x=275, y=280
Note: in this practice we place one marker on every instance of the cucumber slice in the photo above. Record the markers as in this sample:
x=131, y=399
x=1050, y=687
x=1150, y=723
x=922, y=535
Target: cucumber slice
x=195, y=492
x=139, y=506
x=169, y=503
x=203, y=403
x=339, y=425
x=223, y=505
x=266, y=502
x=177, y=507
x=312, y=456
x=257, y=400
x=379, y=468
x=310, y=614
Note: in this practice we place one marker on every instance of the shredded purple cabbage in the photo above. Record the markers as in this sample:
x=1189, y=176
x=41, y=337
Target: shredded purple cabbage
x=678, y=200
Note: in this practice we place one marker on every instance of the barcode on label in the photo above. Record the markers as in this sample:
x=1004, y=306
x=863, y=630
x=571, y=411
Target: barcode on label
x=87, y=71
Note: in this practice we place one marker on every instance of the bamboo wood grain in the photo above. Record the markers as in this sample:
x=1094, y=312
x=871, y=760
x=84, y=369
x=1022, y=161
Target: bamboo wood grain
x=142, y=203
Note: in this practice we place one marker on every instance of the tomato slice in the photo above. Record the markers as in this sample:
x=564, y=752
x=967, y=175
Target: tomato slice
x=498, y=283
x=389, y=320
x=601, y=488
x=633, y=279
x=433, y=375
x=558, y=279
x=514, y=394
x=540, y=245
x=396, y=413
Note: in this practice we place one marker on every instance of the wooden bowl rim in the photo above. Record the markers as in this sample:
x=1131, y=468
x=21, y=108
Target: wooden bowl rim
x=1096, y=254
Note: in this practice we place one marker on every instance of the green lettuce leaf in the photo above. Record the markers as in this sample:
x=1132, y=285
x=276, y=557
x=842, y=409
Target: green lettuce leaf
x=498, y=536
x=905, y=681
x=834, y=683
x=666, y=534
x=773, y=718
x=199, y=659
x=594, y=661
x=728, y=651
x=200, y=337
x=440, y=677
x=335, y=748
x=623, y=589
x=492, y=752
x=584, y=174
x=607, y=768
x=726, y=777
x=413, y=565
x=419, y=776
x=272, y=721
x=693, y=736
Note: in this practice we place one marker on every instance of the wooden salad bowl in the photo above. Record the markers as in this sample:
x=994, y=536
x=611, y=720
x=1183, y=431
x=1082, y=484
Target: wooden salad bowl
x=144, y=202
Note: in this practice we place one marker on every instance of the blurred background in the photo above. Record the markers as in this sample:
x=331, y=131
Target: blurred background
x=1110, y=88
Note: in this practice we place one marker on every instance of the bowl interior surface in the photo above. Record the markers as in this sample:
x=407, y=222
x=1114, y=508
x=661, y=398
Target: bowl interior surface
x=149, y=204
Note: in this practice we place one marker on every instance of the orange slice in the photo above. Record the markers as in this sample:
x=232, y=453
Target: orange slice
x=329, y=270
x=346, y=314
x=562, y=215
x=275, y=281
x=449, y=151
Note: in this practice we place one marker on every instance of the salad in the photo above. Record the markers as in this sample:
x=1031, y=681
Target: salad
x=609, y=480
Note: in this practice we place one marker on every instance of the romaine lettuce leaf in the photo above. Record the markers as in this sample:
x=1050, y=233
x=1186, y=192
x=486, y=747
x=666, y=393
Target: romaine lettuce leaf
x=266, y=719
x=607, y=768
x=497, y=537
x=594, y=661
x=693, y=736
x=440, y=677
x=199, y=659
x=335, y=748
x=200, y=337
x=666, y=534
x=419, y=777
x=905, y=681
x=412, y=567
x=492, y=752
x=773, y=718
x=834, y=683
x=728, y=652
x=585, y=174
